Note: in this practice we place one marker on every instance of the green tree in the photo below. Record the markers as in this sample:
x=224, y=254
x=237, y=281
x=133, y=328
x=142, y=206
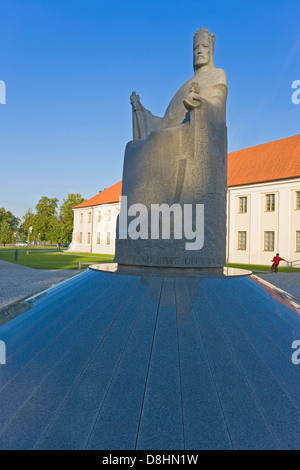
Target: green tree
x=56, y=233
x=10, y=218
x=46, y=217
x=6, y=233
x=8, y=226
x=28, y=221
x=67, y=216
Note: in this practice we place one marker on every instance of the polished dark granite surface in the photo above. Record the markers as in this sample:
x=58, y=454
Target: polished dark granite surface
x=128, y=362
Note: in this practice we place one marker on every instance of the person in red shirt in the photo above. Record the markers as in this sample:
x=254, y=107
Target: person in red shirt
x=276, y=260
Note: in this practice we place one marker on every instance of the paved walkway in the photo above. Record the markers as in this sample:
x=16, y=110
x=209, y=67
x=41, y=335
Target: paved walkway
x=289, y=282
x=18, y=282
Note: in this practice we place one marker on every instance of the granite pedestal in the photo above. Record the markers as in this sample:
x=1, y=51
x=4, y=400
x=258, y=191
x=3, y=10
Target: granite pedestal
x=113, y=361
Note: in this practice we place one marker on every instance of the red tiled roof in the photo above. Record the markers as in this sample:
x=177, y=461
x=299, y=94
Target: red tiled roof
x=107, y=196
x=267, y=162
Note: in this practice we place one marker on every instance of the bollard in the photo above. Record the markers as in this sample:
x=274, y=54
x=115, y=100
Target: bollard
x=79, y=266
x=16, y=254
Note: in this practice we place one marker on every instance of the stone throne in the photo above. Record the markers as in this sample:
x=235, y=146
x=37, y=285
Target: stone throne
x=180, y=160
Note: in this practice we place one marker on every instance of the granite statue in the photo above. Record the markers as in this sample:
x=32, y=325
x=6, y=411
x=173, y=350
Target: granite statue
x=179, y=160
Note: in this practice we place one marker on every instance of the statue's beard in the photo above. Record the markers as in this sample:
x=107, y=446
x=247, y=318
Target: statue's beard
x=200, y=63
x=201, y=59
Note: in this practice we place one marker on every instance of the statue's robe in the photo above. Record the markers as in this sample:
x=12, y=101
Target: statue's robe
x=182, y=158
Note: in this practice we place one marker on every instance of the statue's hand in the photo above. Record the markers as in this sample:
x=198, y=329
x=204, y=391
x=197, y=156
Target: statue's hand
x=192, y=101
x=135, y=101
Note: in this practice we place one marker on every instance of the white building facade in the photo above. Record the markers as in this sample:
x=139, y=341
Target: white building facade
x=262, y=220
x=94, y=229
x=95, y=222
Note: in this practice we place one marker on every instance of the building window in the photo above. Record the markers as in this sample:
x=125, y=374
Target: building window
x=242, y=240
x=98, y=238
x=108, y=238
x=80, y=237
x=269, y=241
x=297, y=199
x=270, y=202
x=298, y=240
x=99, y=216
x=89, y=237
x=89, y=217
x=109, y=216
x=81, y=218
x=243, y=205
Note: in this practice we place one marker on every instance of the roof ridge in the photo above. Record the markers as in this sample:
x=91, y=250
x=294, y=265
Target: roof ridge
x=107, y=196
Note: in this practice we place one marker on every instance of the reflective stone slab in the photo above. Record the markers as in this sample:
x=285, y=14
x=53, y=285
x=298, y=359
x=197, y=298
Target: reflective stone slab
x=151, y=362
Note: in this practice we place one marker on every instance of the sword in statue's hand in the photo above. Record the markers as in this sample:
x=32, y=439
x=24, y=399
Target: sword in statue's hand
x=135, y=101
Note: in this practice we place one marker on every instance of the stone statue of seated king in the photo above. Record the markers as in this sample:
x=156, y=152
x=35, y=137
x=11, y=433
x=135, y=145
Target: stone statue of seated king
x=176, y=166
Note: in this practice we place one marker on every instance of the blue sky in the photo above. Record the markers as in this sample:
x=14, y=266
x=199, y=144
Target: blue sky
x=71, y=65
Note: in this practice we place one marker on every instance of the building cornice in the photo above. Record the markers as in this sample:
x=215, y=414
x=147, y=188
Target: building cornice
x=265, y=183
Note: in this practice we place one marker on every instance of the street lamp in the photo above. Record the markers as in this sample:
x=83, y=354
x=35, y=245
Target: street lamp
x=16, y=249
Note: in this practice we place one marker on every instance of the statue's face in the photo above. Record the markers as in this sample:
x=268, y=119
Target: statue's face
x=201, y=51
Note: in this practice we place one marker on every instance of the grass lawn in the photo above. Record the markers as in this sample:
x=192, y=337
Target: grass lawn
x=65, y=260
x=256, y=268
x=24, y=248
x=56, y=260
x=88, y=254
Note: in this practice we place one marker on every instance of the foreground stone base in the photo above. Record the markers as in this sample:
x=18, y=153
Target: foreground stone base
x=109, y=361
